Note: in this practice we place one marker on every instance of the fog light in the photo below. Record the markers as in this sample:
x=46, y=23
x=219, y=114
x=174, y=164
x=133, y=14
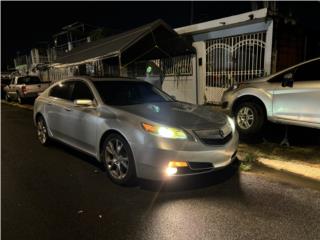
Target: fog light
x=171, y=171
x=173, y=167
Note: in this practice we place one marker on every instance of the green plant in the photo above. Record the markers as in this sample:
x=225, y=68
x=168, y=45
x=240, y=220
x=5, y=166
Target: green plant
x=248, y=161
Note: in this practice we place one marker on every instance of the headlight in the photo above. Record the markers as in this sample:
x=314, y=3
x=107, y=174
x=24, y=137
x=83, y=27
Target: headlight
x=232, y=124
x=163, y=131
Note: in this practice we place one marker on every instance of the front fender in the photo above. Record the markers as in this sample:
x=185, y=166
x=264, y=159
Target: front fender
x=264, y=96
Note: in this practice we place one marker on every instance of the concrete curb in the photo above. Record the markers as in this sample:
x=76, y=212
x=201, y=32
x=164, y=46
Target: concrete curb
x=15, y=104
x=299, y=169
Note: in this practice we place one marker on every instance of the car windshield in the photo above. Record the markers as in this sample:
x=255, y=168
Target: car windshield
x=5, y=81
x=28, y=80
x=123, y=93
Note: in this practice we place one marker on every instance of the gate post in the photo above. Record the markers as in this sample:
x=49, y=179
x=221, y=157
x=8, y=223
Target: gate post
x=268, y=48
x=200, y=70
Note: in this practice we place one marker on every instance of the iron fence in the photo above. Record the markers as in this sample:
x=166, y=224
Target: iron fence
x=235, y=59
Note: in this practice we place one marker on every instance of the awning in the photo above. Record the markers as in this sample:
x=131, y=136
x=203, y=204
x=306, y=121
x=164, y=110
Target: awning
x=152, y=41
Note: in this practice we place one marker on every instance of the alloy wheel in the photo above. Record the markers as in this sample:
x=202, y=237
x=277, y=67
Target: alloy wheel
x=19, y=99
x=41, y=131
x=7, y=97
x=117, y=159
x=245, y=117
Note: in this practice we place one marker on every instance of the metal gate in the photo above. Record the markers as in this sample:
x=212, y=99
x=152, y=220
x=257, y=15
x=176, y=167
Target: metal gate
x=233, y=60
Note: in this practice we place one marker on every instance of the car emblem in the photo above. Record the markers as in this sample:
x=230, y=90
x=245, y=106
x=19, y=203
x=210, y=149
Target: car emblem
x=221, y=133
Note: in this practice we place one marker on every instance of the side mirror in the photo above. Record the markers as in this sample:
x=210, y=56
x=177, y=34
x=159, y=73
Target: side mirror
x=83, y=102
x=287, y=80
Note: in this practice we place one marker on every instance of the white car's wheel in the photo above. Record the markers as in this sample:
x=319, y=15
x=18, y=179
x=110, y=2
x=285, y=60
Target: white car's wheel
x=42, y=131
x=250, y=117
x=20, y=99
x=8, y=99
x=118, y=160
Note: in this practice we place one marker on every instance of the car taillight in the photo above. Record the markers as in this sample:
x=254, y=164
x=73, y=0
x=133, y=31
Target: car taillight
x=24, y=89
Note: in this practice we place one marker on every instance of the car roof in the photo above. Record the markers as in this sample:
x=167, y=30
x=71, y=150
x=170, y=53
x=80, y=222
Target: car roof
x=97, y=79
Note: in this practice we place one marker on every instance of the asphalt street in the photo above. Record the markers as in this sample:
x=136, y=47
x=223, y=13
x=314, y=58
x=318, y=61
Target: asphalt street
x=58, y=193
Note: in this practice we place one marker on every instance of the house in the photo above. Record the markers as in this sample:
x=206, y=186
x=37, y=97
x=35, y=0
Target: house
x=239, y=48
x=195, y=63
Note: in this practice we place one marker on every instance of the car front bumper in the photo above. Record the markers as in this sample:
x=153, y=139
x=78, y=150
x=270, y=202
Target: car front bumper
x=152, y=160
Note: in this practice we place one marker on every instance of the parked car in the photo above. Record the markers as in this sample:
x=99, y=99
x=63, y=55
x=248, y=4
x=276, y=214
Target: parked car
x=291, y=96
x=5, y=81
x=135, y=129
x=24, y=87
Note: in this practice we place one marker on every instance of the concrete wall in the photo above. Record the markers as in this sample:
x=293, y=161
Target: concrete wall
x=182, y=87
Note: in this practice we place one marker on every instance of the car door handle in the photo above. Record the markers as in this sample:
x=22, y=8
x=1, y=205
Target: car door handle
x=50, y=103
x=67, y=109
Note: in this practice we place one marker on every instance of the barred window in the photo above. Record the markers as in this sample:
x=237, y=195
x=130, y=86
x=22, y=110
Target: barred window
x=180, y=65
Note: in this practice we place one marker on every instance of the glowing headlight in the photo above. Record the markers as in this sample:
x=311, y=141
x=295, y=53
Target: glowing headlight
x=165, y=132
x=232, y=124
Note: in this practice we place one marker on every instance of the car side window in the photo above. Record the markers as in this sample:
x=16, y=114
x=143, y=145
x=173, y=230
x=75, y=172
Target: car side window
x=62, y=90
x=81, y=91
x=308, y=72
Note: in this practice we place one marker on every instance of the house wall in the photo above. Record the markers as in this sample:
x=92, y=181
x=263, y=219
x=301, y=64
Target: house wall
x=238, y=50
x=182, y=87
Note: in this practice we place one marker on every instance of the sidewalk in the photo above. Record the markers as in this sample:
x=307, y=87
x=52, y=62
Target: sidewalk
x=25, y=106
x=298, y=168
x=301, y=161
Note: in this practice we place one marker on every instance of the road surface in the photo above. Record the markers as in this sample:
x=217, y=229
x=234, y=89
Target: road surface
x=58, y=193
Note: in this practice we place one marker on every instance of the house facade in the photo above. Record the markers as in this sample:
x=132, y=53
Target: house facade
x=194, y=63
x=228, y=51
x=240, y=48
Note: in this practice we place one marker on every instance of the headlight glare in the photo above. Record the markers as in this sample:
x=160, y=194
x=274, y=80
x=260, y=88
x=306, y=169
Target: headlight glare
x=163, y=131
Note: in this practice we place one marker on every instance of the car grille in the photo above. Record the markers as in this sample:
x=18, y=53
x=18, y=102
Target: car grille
x=217, y=141
x=215, y=136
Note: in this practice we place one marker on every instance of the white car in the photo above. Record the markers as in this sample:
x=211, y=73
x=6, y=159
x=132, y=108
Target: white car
x=24, y=87
x=135, y=129
x=291, y=96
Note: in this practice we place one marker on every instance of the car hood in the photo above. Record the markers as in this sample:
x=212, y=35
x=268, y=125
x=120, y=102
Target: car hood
x=179, y=114
x=258, y=80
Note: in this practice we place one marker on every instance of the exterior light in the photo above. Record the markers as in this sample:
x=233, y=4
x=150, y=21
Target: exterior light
x=171, y=171
x=173, y=167
x=177, y=164
x=163, y=131
x=149, y=69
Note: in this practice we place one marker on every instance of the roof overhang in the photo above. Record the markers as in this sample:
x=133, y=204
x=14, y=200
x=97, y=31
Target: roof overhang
x=151, y=41
x=223, y=22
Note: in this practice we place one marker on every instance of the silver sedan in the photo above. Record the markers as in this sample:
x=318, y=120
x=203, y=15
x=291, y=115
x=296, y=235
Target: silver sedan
x=135, y=129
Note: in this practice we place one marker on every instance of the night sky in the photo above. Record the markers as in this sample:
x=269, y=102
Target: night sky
x=24, y=24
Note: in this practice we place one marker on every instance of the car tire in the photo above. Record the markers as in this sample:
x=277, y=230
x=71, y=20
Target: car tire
x=7, y=98
x=42, y=131
x=118, y=161
x=249, y=118
x=20, y=99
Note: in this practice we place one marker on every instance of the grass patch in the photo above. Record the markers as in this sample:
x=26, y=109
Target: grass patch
x=309, y=154
x=248, y=161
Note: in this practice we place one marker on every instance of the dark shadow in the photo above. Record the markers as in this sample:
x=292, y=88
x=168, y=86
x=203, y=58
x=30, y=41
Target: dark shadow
x=29, y=101
x=274, y=133
x=76, y=153
x=186, y=183
x=84, y=157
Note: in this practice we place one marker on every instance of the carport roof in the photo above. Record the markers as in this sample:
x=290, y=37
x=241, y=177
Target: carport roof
x=154, y=36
